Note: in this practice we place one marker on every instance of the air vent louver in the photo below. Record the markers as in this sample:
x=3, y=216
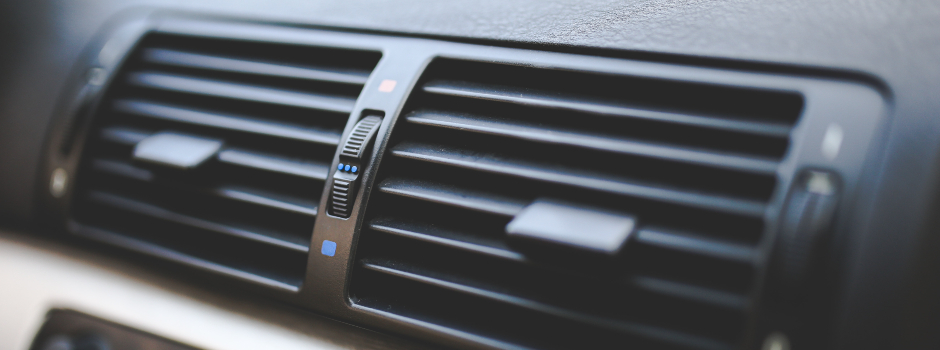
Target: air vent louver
x=477, y=142
x=249, y=211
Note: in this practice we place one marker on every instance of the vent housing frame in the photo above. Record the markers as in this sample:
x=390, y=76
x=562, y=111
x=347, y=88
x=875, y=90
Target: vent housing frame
x=853, y=101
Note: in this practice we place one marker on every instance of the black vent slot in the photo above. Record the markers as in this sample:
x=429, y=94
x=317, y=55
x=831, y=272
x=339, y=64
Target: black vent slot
x=247, y=212
x=477, y=142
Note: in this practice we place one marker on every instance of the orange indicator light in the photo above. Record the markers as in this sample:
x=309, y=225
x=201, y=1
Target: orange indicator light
x=387, y=85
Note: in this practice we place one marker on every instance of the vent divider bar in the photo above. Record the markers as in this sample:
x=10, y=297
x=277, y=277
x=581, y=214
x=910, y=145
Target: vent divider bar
x=199, y=86
x=569, y=138
x=227, y=122
x=226, y=64
x=534, y=99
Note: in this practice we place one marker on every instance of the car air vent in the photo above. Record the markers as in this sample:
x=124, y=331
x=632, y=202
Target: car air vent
x=685, y=170
x=214, y=152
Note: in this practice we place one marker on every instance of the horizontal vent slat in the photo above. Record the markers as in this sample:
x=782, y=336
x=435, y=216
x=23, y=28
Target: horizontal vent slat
x=123, y=135
x=444, y=238
x=493, y=164
x=681, y=290
x=308, y=208
x=176, y=83
x=122, y=203
x=227, y=64
x=647, y=236
x=316, y=171
x=566, y=137
x=431, y=192
x=239, y=193
x=120, y=168
x=701, y=246
x=534, y=99
x=430, y=234
x=307, y=169
x=155, y=250
x=228, y=122
x=619, y=326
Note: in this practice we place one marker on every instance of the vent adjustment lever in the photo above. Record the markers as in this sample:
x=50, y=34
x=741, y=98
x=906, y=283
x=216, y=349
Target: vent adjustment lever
x=352, y=158
x=176, y=151
x=552, y=223
x=805, y=228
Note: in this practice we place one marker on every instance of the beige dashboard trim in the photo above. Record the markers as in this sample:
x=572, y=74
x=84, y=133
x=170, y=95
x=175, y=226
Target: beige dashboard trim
x=35, y=279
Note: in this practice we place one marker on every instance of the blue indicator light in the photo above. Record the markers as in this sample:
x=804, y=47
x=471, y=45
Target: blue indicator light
x=329, y=248
x=354, y=169
x=346, y=168
x=340, y=166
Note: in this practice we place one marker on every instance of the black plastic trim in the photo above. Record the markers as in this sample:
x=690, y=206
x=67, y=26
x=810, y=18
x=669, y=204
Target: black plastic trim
x=857, y=105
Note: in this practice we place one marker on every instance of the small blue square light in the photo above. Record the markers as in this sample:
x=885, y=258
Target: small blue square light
x=329, y=248
x=354, y=169
x=346, y=168
x=340, y=166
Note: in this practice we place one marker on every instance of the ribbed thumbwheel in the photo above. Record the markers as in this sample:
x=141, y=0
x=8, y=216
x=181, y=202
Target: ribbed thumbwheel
x=340, y=197
x=351, y=161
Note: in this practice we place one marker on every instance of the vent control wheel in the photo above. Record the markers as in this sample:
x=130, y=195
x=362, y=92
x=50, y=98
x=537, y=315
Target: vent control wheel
x=351, y=160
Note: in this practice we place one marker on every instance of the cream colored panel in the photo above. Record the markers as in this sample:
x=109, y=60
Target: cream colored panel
x=35, y=278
